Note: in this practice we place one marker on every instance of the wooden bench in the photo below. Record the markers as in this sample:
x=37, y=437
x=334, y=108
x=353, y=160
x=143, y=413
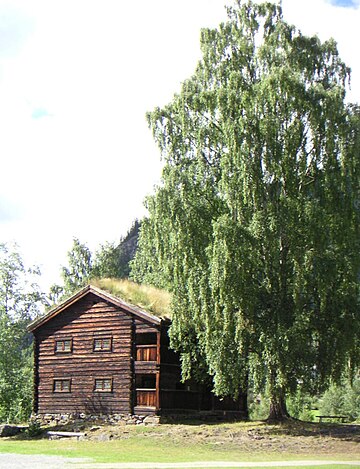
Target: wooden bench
x=337, y=417
x=54, y=435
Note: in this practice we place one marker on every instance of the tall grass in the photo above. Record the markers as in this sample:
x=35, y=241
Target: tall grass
x=149, y=298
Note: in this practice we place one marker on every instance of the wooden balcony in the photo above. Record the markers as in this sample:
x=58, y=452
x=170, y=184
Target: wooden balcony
x=146, y=397
x=146, y=353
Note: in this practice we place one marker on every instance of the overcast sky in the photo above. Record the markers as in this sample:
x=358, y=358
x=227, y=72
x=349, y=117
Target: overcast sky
x=76, y=78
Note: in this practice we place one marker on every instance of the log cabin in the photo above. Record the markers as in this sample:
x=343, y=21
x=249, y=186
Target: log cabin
x=98, y=355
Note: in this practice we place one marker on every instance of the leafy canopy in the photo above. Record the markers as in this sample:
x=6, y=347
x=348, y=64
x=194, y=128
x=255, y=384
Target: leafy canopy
x=20, y=302
x=255, y=227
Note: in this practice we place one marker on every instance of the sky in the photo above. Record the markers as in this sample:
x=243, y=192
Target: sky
x=76, y=79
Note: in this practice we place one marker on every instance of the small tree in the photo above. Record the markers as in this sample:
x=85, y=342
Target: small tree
x=343, y=399
x=76, y=275
x=255, y=227
x=20, y=301
x=79, y=270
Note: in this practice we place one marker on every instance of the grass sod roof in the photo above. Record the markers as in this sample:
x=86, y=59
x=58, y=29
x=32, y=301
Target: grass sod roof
x=145, y=301
x=148, y=298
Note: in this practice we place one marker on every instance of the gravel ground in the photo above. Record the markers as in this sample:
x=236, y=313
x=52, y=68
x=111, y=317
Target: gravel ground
x=21, y=461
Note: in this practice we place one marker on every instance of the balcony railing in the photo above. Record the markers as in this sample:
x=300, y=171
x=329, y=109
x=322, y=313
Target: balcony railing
x=146, y=353
x=146, y=397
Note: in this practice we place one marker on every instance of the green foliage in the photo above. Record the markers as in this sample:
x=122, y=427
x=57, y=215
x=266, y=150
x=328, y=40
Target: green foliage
x=343, y=399
x=79, y=269
x=255, y=227
x=300, y=406
x=76, y=275
x=34, y=428
x=106, y=263
x=111, y=260
x=147, y=267
x=20, y=300
x=259, y=407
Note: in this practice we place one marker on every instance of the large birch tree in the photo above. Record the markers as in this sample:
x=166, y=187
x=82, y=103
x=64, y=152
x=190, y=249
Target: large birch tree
x=255, y=227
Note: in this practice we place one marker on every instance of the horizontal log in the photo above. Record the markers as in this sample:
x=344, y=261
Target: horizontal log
x=84, y=343
x=117, y=401
x=87, y=371
x=144, y=328
x=91, y=328
x=75, y=405
x=105, y=322
x=82, y=391
x=85, y=384
x=91, y=332
x=116, y=353
x=84, y=373
x=66, y=434
x=86, y=388
x=91, y=356
x=120, y=362
x=145, y=367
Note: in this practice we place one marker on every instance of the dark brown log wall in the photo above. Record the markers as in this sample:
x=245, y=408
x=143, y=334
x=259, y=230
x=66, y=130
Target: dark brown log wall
x=82, y=322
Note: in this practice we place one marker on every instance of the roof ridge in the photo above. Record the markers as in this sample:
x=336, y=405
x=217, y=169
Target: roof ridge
x=132, y=309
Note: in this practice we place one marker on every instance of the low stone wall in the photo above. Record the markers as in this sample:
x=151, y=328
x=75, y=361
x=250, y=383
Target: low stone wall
x=82, y=419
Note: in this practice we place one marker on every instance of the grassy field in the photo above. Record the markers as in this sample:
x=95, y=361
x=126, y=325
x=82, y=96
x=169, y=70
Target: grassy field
x=250, y=442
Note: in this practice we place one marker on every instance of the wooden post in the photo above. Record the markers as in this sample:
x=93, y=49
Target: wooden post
x=36, y=376
x=158, y=361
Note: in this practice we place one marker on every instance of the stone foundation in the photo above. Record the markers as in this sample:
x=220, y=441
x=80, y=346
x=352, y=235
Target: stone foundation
x=83, y=419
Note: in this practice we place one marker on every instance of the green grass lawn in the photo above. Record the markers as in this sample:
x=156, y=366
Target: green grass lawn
x=144, y=450
x=186, y=443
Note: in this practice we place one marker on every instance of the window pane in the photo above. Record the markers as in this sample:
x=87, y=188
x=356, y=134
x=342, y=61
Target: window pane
x=103, y=384
x=66, y=385
x=61, y=385
x=97, y=344
x=102, y=344
x=63, y=345
x=106, y=344
x=57, y=386
x=67, y=345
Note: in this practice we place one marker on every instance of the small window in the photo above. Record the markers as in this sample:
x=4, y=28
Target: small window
x=63, y=345
x=102, y=344
x=62, y=385
x=103, y=385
